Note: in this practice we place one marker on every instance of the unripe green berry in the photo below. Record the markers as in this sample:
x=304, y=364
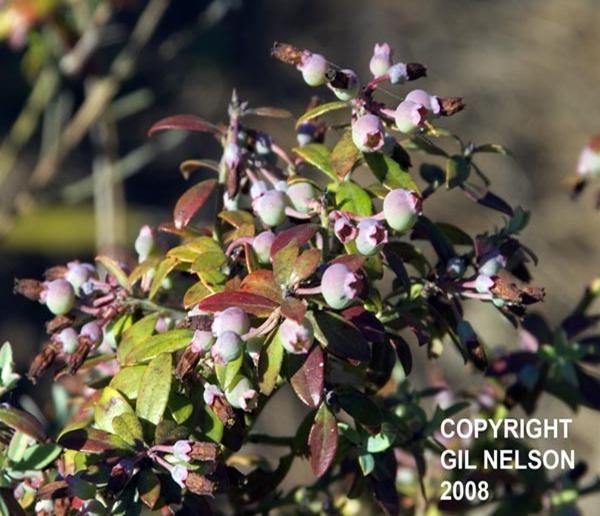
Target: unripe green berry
x=339, y=286
x=262, y=246
x=295, y=337
x=59, y=296
x=371, y=236
x=401, y=209
x=226, y=348
x=144, y=243
x=301, y=194
x=241, y=394
x=270, y=207
x=314, y=69
x=231, y=319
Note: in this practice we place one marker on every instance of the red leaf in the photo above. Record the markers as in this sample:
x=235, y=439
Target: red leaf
x=185, y=122
x=252, y=303
x=191, y=201
x=322, y=441
x=308, y=381
x=23, y=422
x=301, y=233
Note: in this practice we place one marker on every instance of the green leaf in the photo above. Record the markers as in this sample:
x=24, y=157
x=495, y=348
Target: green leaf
x=344, y=155
x=226, y=373
x=115, y=270
x=128, y=380
x=167, y=342
x=319, y=156
x=196, y=293
x=389, y=172
x=148, y=486
x=162, y=271
x=283, y=263
x=129, y=428
x=37, y=457
x=367, y=463
x=353, y=198
x=110, y=405
x=269, y=364
x=8, y=378
x=181, y=408
x=493, y=148
x=136, y=335
x=321, y=109
x=209, y=261
x=155, y=389
x=458, y=169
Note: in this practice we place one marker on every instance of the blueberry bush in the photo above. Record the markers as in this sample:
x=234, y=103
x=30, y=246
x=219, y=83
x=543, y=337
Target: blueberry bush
x=317, y=267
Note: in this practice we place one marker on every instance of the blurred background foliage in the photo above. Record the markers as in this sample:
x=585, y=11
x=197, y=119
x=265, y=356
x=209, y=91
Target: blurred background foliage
x=84, y=79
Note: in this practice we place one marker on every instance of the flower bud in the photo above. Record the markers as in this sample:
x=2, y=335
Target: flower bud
x=59, y=296
x=409, y=116
x=242, y=395
x=398, y=73
x=314, y=69
x=430, y=102
x=401, y=209
x=226, y=348
x=270, y=207
x=92, y=331
x=144, y=243
x=345, y=85
x=589, y=159
x=339, y=285
x=295, y=337
x=381, y=60
x=262, y=246
x=202, y=341
x=301, y=195
x=368, y=133
x=371, y=236
x=78, y=273
x=181, y=450
x=344, y=230
x=231, y=319
x=68, y=339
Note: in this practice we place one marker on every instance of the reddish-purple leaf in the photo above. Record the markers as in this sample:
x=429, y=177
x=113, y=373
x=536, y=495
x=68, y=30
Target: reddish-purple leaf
x=23, y=422
x=353, y=261
x=308, y=381
x=322, y=441
x=489, y=200
x=366, y=322
x=306, y=264
x=293, y=308
x=270, y=112
x=403, y=352
x=184, y=122
x=191, y=201
x=90, y=440
x=301, y=233
x=254, y=304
